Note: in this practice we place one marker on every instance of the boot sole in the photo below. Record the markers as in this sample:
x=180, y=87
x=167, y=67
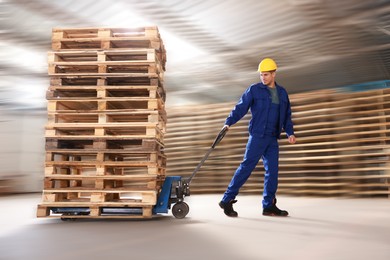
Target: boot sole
x=274, y=215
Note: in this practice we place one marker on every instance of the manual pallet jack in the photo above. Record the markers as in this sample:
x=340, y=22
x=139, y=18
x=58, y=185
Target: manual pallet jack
x=173, y=191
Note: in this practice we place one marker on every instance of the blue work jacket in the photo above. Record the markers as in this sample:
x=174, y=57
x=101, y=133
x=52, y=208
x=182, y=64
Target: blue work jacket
x=258, y=99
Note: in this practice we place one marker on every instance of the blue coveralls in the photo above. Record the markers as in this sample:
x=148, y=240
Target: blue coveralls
x=268, y=120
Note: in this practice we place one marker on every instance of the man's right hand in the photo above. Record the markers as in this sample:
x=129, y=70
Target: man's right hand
x=226, y=126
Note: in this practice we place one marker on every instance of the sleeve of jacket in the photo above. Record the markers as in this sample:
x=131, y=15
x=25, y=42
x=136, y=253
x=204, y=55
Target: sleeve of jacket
x=241, y=108
x=288, y=125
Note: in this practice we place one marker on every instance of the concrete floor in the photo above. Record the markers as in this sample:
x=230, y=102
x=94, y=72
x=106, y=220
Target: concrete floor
x=318, y=228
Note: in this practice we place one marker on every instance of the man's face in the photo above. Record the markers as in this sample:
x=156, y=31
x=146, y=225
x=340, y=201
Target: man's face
x=267, y=78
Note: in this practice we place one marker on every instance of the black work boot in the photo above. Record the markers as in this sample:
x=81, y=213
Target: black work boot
x=274, y=211
x=228, y=208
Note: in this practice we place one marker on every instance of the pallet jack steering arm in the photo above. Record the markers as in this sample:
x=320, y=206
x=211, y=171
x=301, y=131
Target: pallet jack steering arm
x=217, y=140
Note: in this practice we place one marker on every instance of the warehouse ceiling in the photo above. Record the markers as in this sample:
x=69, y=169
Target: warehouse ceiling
x=213, y=47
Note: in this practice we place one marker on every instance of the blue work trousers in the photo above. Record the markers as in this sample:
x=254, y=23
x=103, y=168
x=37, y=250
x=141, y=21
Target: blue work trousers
x=267, y=148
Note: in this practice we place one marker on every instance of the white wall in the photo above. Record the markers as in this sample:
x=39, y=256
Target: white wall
x=22, y=149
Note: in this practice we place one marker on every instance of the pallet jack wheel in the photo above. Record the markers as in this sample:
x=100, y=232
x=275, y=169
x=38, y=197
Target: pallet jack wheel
x=180, y=210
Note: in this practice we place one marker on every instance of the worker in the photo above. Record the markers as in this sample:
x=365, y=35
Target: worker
x=271, y=113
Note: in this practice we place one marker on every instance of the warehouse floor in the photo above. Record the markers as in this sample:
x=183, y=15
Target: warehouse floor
x=318, y=228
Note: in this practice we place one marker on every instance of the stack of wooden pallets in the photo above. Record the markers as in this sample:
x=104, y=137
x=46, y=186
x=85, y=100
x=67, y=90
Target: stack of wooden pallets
x=106, y=120
x=343, y=146
x=342, y=149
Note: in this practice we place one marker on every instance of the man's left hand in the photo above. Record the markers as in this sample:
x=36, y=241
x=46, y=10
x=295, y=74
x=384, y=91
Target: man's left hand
x=292, y=139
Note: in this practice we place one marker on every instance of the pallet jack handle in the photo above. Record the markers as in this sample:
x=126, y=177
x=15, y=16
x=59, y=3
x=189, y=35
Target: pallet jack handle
x=217, y=140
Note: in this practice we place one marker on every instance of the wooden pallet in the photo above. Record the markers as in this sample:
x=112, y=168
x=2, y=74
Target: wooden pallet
x=76, y=179
x=93, y=57
x=125, y=130
x=107, y=168
x=103, y=144
x=93, y=186
x=110, y=158
x=107, y=43
x=115, y=104
x=128, y=69
x=142, y=116
x=118, y=160
x=80, y=92
x=95, y=195
x=94, y=210
x=96, y=56
x=88, y=33
x=107, y=38
x=105, y=80
x=149, y=154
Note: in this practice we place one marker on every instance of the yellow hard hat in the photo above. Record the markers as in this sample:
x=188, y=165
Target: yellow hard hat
x=267, y=65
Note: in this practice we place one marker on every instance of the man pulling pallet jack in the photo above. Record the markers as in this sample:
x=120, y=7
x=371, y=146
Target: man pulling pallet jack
x=271, y=112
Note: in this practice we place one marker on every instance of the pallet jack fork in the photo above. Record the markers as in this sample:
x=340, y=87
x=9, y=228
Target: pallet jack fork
x=173, y=191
